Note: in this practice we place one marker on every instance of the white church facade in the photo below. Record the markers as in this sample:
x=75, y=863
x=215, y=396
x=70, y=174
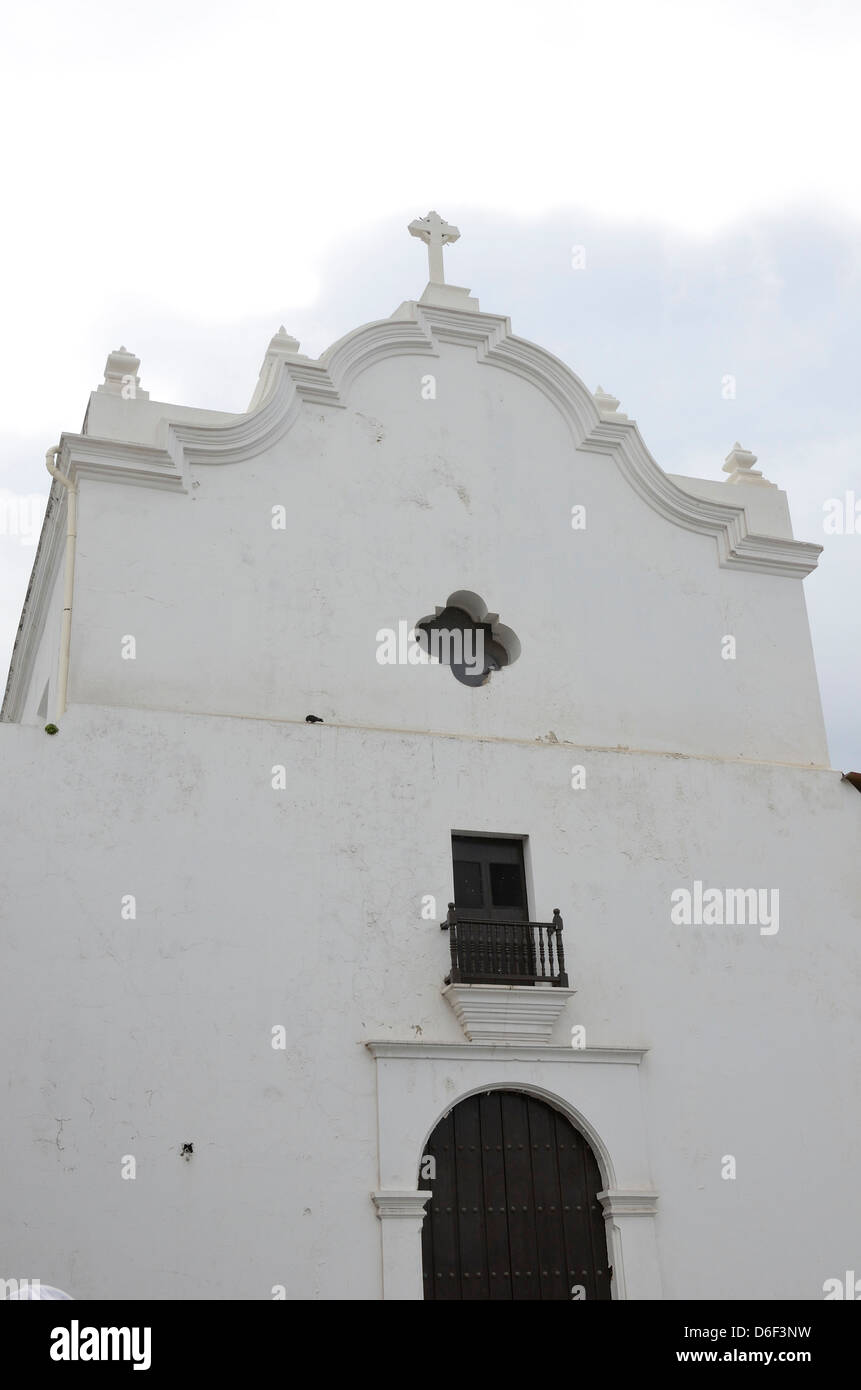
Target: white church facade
x=242, y=1059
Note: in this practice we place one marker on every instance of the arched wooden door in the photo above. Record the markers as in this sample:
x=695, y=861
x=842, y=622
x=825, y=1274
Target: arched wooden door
x=514, y=1212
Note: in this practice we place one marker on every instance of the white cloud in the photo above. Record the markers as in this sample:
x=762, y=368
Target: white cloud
x=205, y=160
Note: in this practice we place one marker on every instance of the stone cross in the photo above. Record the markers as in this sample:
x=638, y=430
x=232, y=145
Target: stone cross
x=437, y=233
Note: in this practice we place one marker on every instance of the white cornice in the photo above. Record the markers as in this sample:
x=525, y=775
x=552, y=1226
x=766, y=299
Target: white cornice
x=411, y=1051
x=112, y=460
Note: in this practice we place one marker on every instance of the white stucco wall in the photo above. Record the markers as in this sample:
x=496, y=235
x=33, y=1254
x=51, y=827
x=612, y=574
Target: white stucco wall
x=258, y=907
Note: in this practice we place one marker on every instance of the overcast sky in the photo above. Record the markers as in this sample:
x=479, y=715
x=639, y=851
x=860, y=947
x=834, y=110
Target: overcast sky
x=182, y=177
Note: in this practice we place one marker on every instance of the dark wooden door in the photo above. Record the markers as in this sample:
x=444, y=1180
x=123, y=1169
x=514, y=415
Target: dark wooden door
x=490, y=886
x=514, y=1212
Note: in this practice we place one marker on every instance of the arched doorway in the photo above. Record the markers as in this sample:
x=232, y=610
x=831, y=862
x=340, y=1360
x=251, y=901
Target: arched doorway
x=515, y=1212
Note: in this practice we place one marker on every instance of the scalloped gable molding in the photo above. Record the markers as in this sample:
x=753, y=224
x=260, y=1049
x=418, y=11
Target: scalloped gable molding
x=738, y=548
x=415, y=329
x=291, y=380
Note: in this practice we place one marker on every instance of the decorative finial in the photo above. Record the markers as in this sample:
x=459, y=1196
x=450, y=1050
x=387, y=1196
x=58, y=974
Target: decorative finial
x=283, y=342
x=437, y=233
x=739, y=464
x=281, y=347
x=607, y=404
x=121, y=378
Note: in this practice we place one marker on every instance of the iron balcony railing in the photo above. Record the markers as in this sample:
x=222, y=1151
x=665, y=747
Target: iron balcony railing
x=505, y=953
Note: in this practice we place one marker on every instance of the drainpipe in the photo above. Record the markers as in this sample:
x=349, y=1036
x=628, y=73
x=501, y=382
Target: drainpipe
x=69, y=579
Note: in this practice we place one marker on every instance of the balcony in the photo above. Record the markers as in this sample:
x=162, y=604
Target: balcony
x=505, y=953
x=507, y=982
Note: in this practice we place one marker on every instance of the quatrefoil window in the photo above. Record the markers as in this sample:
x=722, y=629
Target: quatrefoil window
x=463, y=635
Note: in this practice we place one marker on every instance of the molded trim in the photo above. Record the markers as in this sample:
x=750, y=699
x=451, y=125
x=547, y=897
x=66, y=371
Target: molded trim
x=507, y=1052
x=401, y=1204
